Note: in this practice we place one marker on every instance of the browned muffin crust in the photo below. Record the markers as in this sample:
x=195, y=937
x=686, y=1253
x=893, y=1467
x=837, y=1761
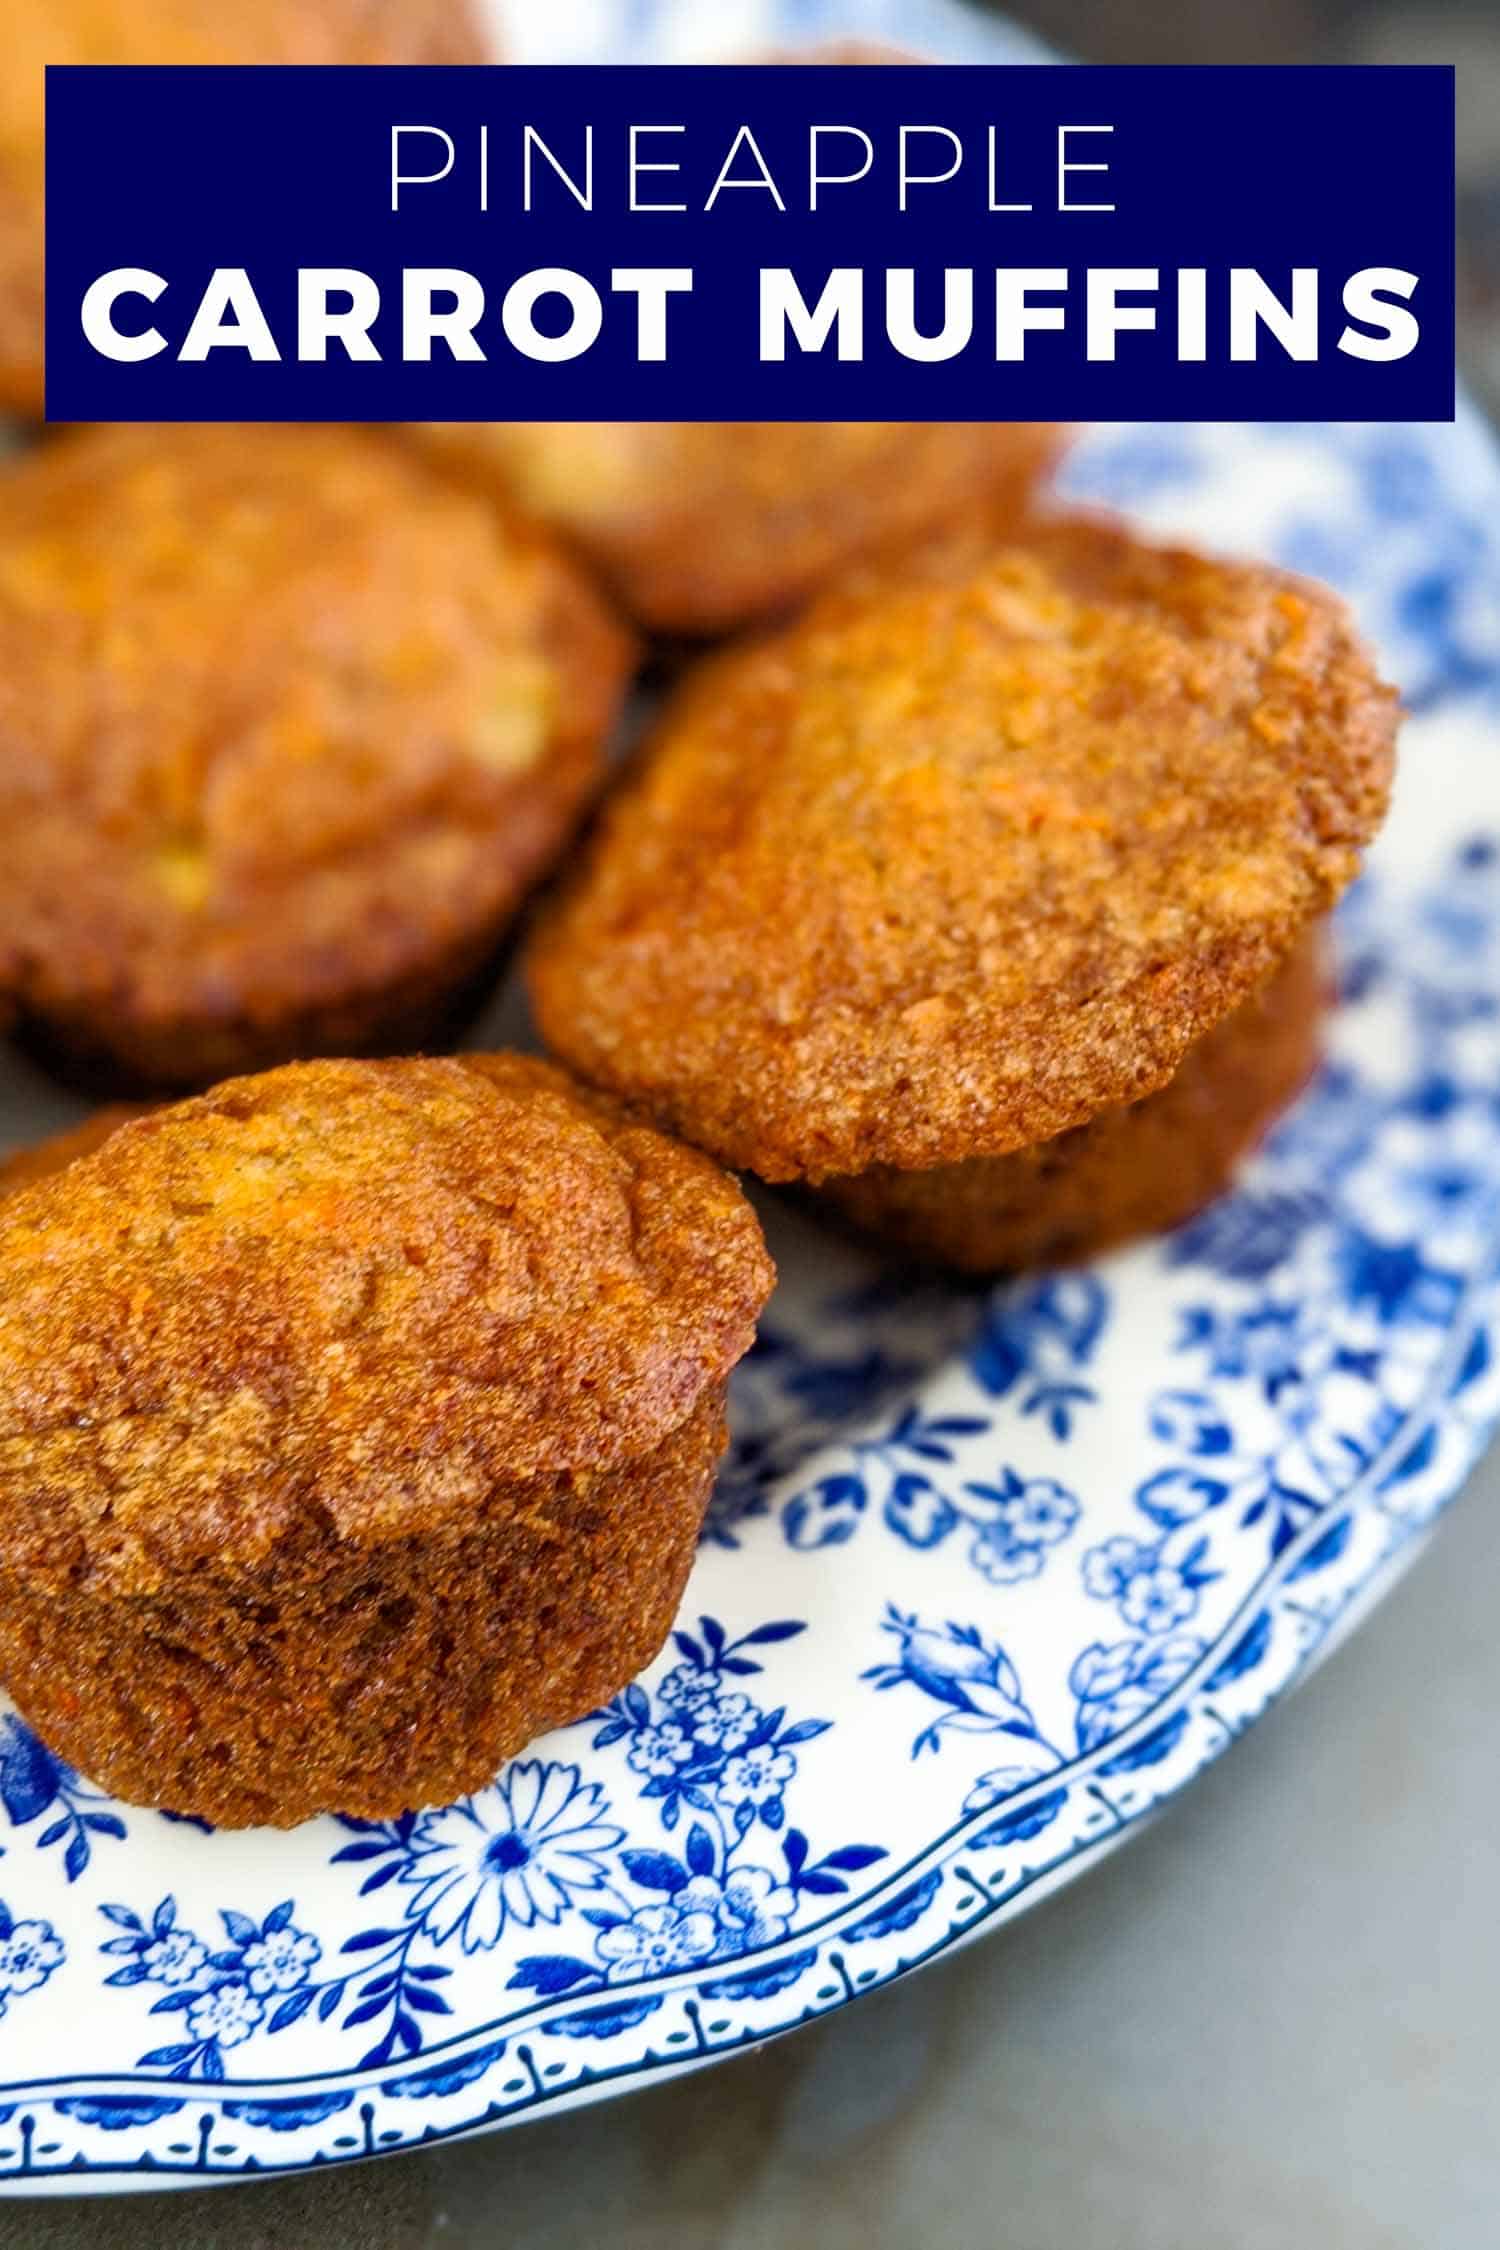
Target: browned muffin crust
x=976, y=849
x=382, y=1683
x=356, y=1423
x=699, y=527
x=288, y=728
x=55, y=1154
x=1138, y=1169
x=39, y=32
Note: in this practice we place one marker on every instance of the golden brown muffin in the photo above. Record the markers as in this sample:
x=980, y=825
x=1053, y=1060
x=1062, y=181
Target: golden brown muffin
x=288, y=728
x=39, y=32
x=974, y=851
x=1137, y=1169
x=39, y=1162
x=356, y=1425
x=703, y=526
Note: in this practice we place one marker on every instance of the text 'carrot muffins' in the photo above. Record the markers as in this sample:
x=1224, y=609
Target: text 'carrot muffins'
x=41, y=32
x=288, y=728
x=703, y=526
x=981, y=851
x=356, y=1424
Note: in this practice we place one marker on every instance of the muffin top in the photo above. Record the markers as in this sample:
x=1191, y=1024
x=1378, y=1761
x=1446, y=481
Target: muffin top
x=371, y=1297
x=282, y=717
x=972, y=851
x=701, y=526
x=39, y=32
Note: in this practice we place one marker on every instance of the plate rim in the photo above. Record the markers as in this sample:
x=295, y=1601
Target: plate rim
x=1439, y=1484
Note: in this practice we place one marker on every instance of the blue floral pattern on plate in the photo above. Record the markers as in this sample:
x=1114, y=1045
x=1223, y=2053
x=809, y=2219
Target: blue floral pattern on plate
x=987, y=1577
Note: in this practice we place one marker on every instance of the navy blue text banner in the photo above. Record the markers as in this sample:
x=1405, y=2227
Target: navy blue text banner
x=749, y=244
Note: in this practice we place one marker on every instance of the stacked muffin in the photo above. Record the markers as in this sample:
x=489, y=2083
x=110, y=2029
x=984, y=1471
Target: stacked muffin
x=984, y=898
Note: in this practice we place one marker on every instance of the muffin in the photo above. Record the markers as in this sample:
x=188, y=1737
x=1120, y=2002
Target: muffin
x=1136, y=1169
x=356, y=1424
x=978, y=853
x=699, y=527
x=39, y=32
x=288, y=728
x=39, y=1162
x=702, y=527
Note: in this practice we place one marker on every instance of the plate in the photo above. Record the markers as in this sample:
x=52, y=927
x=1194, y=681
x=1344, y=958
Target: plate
x=985, y=1582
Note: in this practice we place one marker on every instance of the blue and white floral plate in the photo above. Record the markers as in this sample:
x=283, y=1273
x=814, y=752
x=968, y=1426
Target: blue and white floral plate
x=985, y=1582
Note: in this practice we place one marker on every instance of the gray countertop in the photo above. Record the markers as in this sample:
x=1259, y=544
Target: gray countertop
x=1270, y=2023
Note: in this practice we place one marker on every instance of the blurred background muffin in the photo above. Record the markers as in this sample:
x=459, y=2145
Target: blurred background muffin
x=288, y=728
x=38, y=32
x=699, y=527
